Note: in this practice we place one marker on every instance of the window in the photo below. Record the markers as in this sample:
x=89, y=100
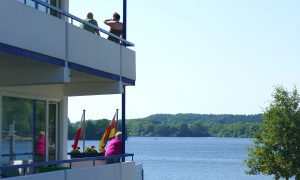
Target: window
x=22, y=120
x=35, y=5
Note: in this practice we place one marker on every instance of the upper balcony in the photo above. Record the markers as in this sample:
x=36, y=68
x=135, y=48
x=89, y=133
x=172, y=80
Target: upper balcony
x=39, y=49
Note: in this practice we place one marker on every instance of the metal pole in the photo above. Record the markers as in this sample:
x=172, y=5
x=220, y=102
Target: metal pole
x=123, y=123
x=117, y=118
x=124, y=93
x=34, y=126
x=83, y=134
x=12, y=141
x=124, y=19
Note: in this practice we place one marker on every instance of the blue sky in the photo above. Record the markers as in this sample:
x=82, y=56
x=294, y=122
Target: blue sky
x=200, y=56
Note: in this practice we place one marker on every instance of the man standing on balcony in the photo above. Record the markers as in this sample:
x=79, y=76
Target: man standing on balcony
x=89, y=18
x=116, y=27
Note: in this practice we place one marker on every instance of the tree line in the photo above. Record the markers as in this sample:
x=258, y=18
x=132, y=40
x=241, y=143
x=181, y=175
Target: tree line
x=179, y=125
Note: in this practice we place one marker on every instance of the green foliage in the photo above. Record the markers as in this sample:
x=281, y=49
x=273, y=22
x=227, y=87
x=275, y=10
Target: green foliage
x=276, y=150
x=90, y=149
x=180, y=125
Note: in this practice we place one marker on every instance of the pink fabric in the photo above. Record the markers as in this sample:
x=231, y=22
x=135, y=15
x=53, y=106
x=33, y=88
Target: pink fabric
x=40, y=146
x=114, y=147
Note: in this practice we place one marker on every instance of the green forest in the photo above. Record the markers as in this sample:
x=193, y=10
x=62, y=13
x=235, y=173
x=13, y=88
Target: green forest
x=179, y=125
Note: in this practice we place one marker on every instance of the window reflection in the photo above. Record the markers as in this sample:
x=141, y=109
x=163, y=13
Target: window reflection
x=53, y=116
x=35, y=5
x=56, y=3
x=21, y=119
x=17, y=128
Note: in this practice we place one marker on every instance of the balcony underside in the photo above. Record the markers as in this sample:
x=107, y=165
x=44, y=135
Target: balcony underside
x=41, y=50
x=36, y=71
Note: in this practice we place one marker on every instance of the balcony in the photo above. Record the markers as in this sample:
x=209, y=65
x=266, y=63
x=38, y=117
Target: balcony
x=38, y=49
x=75, y=169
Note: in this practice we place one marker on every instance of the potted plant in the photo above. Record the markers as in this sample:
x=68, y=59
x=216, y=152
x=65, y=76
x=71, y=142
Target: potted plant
x=75, y=152
x=88, y=152
x=91, y=151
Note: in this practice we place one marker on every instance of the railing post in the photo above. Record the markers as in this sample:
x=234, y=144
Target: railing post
x=123, y=122
x=124, y=87
x=124, y=20
x=83, y=129
x=34, y=125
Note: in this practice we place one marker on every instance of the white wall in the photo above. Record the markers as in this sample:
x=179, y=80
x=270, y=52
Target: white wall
x=118, y=171
x=35, y=92
x=30, y=29
x=39, y=32
x=139, y=172
x=63, y=131
x=93, y=88
x=57, y=175
x=93, y=51
x=33, y=75
x=128, y=63
x=128, y=171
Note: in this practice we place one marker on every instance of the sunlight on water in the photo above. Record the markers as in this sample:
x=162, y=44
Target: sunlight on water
x=174, y=158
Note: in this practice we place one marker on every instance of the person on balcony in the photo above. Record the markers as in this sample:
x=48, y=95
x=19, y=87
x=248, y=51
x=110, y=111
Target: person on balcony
x=90, y=19
x=40, y=147
x=114, y=148
x=116, y=27
x=40, y=150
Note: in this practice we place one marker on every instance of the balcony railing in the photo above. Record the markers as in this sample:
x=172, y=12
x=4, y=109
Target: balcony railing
x=23, y=168
x=72, y=18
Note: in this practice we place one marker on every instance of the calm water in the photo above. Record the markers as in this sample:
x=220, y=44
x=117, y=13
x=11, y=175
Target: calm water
x=175, y=158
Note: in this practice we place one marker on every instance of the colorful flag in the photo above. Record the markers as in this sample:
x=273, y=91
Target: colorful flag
x=113, y=130
x=109, y=132
x=78, y=133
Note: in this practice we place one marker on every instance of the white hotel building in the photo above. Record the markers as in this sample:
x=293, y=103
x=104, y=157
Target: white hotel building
x=44, y=59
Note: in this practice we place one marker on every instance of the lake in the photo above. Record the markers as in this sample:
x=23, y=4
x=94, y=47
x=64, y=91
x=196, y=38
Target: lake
x=199, y=158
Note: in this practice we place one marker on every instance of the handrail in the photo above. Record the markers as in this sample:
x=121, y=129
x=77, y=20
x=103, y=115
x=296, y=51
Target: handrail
x=38, y=164
x=16, y=154
x=72, y=17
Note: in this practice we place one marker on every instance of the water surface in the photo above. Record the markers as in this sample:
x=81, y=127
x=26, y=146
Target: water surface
x=200, y=158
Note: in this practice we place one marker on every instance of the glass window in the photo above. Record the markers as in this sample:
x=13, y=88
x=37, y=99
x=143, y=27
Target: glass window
x=35, y=5
x=17, y=128
x=22, y=122
x=53, y=116
x=56, y=3
x=40, y=131
x=31, y=3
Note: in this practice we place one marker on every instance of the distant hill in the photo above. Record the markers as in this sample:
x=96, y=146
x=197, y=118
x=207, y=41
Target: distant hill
x=195, y=125
x=180, y=125
x=220, y=118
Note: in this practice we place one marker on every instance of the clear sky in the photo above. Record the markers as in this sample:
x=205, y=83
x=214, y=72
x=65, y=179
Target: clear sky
x=200, y=56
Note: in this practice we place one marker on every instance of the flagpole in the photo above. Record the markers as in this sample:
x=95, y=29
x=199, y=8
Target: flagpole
x=117, y=118
x=83, y=134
